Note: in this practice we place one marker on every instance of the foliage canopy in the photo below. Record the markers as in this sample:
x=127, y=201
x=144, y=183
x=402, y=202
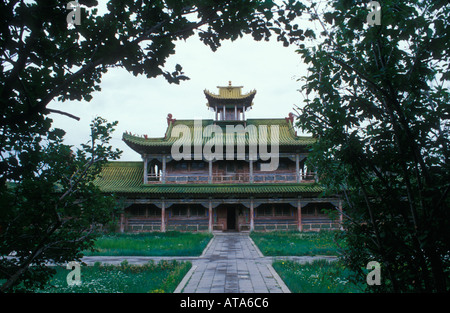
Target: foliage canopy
x=377, y=98
x=48, y=201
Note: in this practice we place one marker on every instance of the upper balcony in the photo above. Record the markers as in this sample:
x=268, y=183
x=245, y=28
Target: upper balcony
x=232, y=178
x=289, y=169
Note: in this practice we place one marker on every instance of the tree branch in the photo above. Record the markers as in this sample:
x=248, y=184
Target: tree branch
x=63, y=113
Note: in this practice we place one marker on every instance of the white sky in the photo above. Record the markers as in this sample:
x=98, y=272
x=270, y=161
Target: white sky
x=141, y=105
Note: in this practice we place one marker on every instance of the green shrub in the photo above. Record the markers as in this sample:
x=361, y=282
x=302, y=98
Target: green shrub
x=296, y=243
x=320, y=276
x=170, y=243
x=124, y=278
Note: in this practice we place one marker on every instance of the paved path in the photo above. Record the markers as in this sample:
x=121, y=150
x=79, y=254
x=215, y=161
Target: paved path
x=231, y=263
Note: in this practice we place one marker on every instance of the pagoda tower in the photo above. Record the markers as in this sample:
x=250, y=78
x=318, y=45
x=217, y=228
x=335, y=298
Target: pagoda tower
x=228, y=193
x=230, y=104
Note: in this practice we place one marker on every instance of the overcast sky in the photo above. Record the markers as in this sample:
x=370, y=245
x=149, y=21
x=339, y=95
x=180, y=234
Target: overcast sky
x=141, y=105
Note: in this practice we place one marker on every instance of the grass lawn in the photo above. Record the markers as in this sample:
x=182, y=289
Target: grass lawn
x=151, y=244
x=125, y=278
x=296, y=243
x=319, y=276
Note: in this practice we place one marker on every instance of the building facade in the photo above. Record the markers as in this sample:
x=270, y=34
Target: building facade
x=228, y=173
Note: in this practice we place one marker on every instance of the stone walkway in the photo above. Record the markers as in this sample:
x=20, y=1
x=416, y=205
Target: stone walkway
x=231, y=263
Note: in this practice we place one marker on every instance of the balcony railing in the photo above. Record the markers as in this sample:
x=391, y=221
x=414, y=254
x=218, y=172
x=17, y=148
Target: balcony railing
x=231, y=178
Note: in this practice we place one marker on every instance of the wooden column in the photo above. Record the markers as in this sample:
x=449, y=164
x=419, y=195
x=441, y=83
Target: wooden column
x=224, y=114
x=163, y=215
x=210, y=171
x=250, y=164
x=122, y=222
x=243, y=113
x=145, y=158
x=252, y=223
x=210, y=222
x=299, y=215
x=217, y=113
x=163, y=175
x=235, y=112
x=297, y=167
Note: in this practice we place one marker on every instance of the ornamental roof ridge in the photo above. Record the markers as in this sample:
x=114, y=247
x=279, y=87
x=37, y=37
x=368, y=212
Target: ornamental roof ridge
x=125, y=177
x=231, y=95
x=229, y=92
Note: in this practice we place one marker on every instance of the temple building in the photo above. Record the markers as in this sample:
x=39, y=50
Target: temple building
x=228, y=173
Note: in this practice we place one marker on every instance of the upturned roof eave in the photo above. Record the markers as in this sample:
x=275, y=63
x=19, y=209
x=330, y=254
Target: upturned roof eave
x=288, y=140
x=120, y=177
x=245, y=100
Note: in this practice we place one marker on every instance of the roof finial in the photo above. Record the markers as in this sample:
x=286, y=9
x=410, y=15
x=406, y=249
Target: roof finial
x=290, y=118
x=170, y=119
x=229, y=83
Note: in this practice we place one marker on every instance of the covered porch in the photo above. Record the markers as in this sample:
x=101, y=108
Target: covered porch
x=221, y=214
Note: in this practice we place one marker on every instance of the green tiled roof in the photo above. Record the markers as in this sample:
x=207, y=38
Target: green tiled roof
x=287, y=136
x=121, y=176
x=127, y=178
x=229, y=95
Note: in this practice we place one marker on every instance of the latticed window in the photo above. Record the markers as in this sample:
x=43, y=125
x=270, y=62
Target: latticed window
x=282, y=211
x=197, y=166
x=231, y=167
x=309, y=210
x=181, y=166
x=264, y=210
x=197, y=211
x=153, y=211
x=179, y=211
x=137, y=211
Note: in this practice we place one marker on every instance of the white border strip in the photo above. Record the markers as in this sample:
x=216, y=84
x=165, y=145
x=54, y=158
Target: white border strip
x=277, y=277
x=185, y=279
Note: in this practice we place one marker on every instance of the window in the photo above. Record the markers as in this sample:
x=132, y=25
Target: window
x=197, y=211
x=309, y=209
x=197, y=166
x=282, y=165
x=141, y=210
x=229, y=115
x=179, y=211
x=231, y=167
x=264, y=210
x=153, y=211
x=282, y=211
x=137, y=211
x=181, y=166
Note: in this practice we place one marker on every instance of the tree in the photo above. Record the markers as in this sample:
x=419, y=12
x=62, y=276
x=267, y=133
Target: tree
x=44, y=58
x=51, y=214
x=377, y=99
